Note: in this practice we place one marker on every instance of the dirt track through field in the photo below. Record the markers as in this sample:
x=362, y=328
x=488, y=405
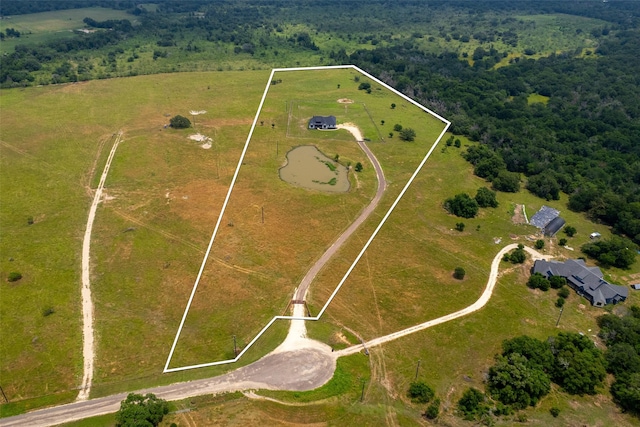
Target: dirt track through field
x=333, y=249
x=88, y=350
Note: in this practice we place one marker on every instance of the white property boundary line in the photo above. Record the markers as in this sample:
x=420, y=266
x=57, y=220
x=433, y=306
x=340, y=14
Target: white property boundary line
x=226, y=200
x=88, y=353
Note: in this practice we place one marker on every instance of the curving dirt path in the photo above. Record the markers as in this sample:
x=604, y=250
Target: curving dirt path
x=88, y=350
x=481, y=302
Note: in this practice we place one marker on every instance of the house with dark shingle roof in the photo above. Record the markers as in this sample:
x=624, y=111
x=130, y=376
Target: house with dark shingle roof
x=586, y=281
x=322, y=122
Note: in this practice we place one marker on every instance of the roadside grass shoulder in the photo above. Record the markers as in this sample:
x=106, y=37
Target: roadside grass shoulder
x=346, y=384
x=108, y=420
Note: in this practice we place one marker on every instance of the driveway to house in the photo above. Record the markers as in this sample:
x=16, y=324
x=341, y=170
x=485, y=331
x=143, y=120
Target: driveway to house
x=481, y=302
x=301, y=292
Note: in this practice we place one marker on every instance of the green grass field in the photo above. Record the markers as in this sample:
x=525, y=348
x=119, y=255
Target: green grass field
x=165, y=192
x=46, y=26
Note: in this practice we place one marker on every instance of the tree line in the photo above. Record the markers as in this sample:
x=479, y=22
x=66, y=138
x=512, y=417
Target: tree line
x=584, y=142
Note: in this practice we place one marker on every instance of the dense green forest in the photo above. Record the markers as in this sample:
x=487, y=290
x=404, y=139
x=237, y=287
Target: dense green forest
x=564, y=113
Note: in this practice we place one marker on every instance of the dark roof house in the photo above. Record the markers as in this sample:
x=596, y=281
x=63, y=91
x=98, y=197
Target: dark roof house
x=586, y=281
x=548, y=220
x=322, y=122
x=554, y=226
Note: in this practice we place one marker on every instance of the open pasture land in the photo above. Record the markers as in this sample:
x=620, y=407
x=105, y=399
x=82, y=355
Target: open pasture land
x=163, y=196
x=54, y=144
x=299, y=224
x=45, y=26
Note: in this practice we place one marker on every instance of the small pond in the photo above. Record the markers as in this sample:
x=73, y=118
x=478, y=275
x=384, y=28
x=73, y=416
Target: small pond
x=307, y=167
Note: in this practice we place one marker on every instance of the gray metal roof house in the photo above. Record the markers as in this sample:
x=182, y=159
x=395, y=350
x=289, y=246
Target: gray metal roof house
x=554, y=226
x=586, y=281
x=322, y=122
x=548, y=220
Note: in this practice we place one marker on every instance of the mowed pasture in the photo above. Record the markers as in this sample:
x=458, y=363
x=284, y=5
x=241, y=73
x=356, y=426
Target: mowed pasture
x=46, y=26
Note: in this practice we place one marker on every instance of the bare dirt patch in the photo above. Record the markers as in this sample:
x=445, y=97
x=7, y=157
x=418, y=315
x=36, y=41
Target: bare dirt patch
x=518, y=215
x=206, y=141
x=345, y=101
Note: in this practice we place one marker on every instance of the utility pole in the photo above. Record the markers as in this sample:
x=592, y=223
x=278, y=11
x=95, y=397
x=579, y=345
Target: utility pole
x=235, y=349
x=263, y=214
x=362, y=394
x=417, y=369
x=4, y=395
x=561, y=310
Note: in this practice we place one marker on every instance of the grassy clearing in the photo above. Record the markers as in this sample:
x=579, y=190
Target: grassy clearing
x=46, y=166
x=534, y=97
x=48, y=163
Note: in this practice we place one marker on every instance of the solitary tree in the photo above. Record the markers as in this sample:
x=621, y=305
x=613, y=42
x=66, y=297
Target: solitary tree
x=180, y=122
x=407, y=134
x=358, y=167
x=459, y=273
x=471, y=403
x=14, y=276
x=539, y=244
x=393, y=106
x=397, y=127
x=570, y=230
x=433, y=410
x=557, y=282
x=538, y=281
x=138, y=410
x=518, y=256
x=420, y=392
x=460, y=226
